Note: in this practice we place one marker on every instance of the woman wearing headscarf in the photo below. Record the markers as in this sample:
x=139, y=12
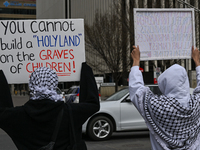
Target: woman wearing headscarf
x=173, y=118
x=31, y=126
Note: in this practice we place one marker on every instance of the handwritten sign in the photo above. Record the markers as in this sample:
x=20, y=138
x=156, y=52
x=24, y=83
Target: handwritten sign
x=26, y=45
x=164, y=33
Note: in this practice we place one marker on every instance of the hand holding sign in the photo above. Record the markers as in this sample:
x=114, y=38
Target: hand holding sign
x=196, y=56
x=135, y=54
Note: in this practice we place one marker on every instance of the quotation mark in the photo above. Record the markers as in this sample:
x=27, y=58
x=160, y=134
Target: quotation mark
x=34, y=36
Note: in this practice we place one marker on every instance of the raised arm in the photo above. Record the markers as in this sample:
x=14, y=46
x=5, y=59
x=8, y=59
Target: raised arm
x=5, y=96
x=135, y=78
x=88, y=98
x=196, y=58
x=88, y=87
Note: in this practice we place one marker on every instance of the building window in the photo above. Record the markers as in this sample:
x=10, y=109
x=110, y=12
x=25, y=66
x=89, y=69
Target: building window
x=17, y=11
x=16, y=18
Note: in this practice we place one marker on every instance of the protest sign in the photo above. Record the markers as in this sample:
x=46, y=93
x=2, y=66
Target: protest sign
x=164, y=33
x=26, y=45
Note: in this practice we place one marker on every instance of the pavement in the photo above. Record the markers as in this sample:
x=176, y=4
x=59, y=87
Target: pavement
x=19, y=100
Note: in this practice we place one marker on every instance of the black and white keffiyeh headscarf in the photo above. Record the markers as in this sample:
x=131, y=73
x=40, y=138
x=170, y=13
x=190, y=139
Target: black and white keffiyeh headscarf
x=43, y=83
x=175, y=124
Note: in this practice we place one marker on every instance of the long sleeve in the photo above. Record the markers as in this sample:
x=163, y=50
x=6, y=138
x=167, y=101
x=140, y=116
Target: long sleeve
x=88, y=98
x=138, y=92
x=197, y=89
x=88, y=87
x=5, y=99
x=198, y=76
x=137, y=89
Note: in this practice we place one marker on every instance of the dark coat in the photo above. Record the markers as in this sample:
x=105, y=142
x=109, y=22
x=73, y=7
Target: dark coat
x=31, y=126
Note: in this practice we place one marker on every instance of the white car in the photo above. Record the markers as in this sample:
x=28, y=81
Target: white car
x=72, y=95
x=117, y=113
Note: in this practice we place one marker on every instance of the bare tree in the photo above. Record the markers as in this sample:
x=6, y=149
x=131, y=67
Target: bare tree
x=105, y=45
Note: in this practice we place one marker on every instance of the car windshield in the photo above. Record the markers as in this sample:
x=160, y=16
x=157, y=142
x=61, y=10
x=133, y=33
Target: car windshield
x=155, y=89
x=70, y=91
x=118, y=95
x=58, y=91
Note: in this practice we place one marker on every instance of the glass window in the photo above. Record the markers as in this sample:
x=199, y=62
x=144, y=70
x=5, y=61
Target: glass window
x=76, y=90
x=155, y=90
x=58, y=91
x=118, y=95
x=18, y=11
x=70, y=91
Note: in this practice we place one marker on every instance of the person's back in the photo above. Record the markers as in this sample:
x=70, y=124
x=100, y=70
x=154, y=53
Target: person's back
x=174, y=117
x=31, y=126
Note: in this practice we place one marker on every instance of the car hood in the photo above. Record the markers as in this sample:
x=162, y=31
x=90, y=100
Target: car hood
x=104, y=104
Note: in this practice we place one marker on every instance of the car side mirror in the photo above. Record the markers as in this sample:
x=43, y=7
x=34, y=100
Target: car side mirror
x=128, y=100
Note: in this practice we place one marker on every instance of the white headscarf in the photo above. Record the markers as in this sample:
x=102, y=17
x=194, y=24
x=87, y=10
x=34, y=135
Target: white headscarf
x=174, y=82
x=43, y=83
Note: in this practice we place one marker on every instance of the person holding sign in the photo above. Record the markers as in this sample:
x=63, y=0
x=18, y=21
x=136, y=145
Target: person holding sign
x=174, y=117
x=45, y=122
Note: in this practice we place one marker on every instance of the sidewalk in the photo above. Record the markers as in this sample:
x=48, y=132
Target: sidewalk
x=19, y=100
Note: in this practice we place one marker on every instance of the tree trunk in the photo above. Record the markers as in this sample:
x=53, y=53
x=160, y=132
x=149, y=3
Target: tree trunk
x=124, y=40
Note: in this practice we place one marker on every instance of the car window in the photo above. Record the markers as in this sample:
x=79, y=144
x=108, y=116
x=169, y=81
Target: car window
x=58, y=91
x=70, y=91
x=118, y=95
x=155, y=90
x=76, y=90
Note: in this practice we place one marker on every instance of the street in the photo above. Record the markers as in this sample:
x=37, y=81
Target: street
x=122, y=141
x=119, y=141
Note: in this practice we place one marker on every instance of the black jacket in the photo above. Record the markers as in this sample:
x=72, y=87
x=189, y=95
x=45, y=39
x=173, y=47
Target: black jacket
x=31, y=126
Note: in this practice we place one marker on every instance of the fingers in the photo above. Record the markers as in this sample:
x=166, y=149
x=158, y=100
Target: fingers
x=192, y=48
x=135, y=48
x=135, y=54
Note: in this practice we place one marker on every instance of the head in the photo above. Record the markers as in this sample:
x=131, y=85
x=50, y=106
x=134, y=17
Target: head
x=174, y=82
x=43, y=83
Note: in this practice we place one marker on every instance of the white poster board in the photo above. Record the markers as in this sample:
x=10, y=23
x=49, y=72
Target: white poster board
x=164, y=33
x=26, y=45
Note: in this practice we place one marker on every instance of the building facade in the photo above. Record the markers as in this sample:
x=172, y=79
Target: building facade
x=15, y=10
x=87, y=9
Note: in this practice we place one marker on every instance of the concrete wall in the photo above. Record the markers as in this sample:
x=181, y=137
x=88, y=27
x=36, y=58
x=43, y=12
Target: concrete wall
x=192, y=78
x=50, y=9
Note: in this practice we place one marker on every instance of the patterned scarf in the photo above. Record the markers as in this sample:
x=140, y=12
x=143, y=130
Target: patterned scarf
x=43, y=83
x=176, y=125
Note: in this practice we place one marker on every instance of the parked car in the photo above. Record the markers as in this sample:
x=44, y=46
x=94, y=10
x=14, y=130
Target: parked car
x=117, y=113
x=72, y=95
x=62, y=94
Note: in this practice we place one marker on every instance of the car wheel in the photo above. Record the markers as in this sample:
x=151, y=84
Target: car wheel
x=100, y=128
